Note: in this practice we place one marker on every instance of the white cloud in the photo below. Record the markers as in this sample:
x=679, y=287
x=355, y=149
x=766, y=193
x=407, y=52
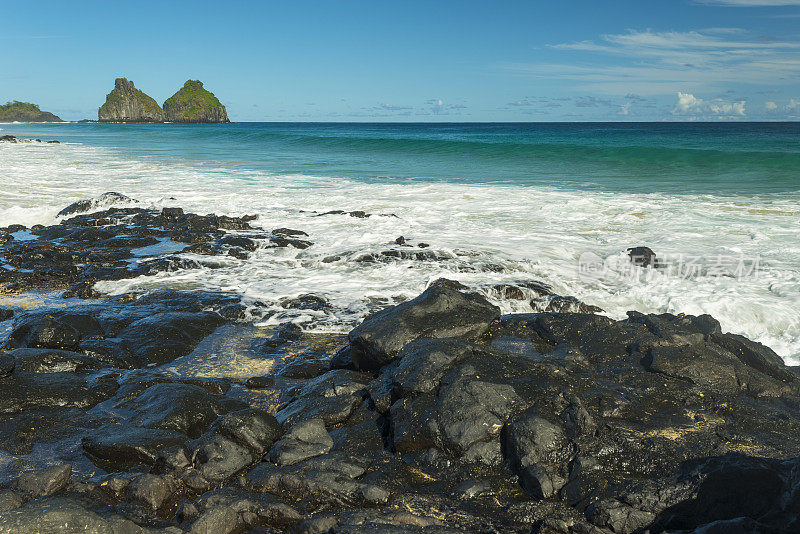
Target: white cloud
x=690, y=105
x=653, y=63
x=625, y=108
x=730, y=109
x=771, y=106
x=664, y=44
x=438, y=107
x=591, y=102
x=391, y=107
x=793, y=105
x=750, y=3
x=687, y=103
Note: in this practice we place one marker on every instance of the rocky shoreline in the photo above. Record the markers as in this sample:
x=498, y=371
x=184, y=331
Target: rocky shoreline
x=437, y=414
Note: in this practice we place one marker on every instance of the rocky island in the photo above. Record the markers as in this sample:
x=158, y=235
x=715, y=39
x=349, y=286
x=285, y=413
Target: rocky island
x=193, y=103
x=126, y=103
x=437, y=414
x=17, y=111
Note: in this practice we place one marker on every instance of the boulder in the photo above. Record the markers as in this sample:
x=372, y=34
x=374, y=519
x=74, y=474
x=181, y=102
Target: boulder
x=116, y=447
x=330, y=397
x=251, y=428
x=304, y=368
x=284, y=334
x=736, y=491
x=26, y=391
x=47, y=333
x=53, y=514
x=42, y=482
x=643, y=257
x=304, y=440
x=162, y=337
x=536, y=447
x=229, y=509
x=439, y=312
x=154, y=491
x=183, y=408
x=305, y=302
x=328, y=479
x=216, y=458
x=52, y=361
x=104, y=200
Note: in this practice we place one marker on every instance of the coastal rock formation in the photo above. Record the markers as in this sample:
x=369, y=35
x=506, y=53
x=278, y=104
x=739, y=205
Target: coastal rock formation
x=643, y=257
x=17, y=111
x=193, y=103
x=14, y=139
x=126, y=103
x=437, y=414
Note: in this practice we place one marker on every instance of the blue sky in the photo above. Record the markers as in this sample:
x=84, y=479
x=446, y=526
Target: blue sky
x=415, y=61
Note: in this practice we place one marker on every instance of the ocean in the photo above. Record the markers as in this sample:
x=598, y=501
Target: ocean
x=719, y=203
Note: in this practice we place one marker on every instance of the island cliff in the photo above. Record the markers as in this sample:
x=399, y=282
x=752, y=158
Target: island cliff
x=193, y=103
x=126, y=103
x=17, y=111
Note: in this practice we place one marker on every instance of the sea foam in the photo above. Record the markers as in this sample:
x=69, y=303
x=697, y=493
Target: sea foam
x=485, y=234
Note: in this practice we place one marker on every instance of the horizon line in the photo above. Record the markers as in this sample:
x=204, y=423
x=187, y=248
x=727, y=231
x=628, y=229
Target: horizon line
x=93, y=121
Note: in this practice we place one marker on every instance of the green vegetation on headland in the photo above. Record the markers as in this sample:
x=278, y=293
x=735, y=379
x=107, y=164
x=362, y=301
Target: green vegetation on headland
x=17, y=111
x=192, y=103
x=126, y=103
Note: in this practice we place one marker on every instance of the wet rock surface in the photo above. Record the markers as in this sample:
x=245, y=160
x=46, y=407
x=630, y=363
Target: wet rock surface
x=643, y=257
x=119, y=243
x=113, y=240
x=437, y=414
x=13, y=139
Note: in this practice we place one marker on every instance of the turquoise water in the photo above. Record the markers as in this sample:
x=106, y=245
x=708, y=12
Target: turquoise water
x=498, y=203
x=651, y=157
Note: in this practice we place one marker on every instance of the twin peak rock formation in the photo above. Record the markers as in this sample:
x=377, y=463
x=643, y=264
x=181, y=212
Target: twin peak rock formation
x=192, y=103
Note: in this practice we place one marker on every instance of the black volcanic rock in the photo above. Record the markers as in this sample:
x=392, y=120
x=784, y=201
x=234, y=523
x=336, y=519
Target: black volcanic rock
x=643, y=256
x=456, y=419
x=438, y=312
x=162, y=337
x=119, y=448
x=42, y=482
x=183, y=408
x=104, y=200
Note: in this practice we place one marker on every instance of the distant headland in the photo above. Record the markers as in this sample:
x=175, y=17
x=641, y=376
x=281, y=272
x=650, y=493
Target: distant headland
x=17, y=111
x=191, y=103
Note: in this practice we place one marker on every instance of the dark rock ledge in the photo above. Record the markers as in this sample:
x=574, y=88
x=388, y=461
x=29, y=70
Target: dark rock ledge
x=13, y=139
x=437, y=415
x=122, y=242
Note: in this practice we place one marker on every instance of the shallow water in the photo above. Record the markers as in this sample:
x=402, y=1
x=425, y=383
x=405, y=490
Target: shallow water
x=555, y=203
